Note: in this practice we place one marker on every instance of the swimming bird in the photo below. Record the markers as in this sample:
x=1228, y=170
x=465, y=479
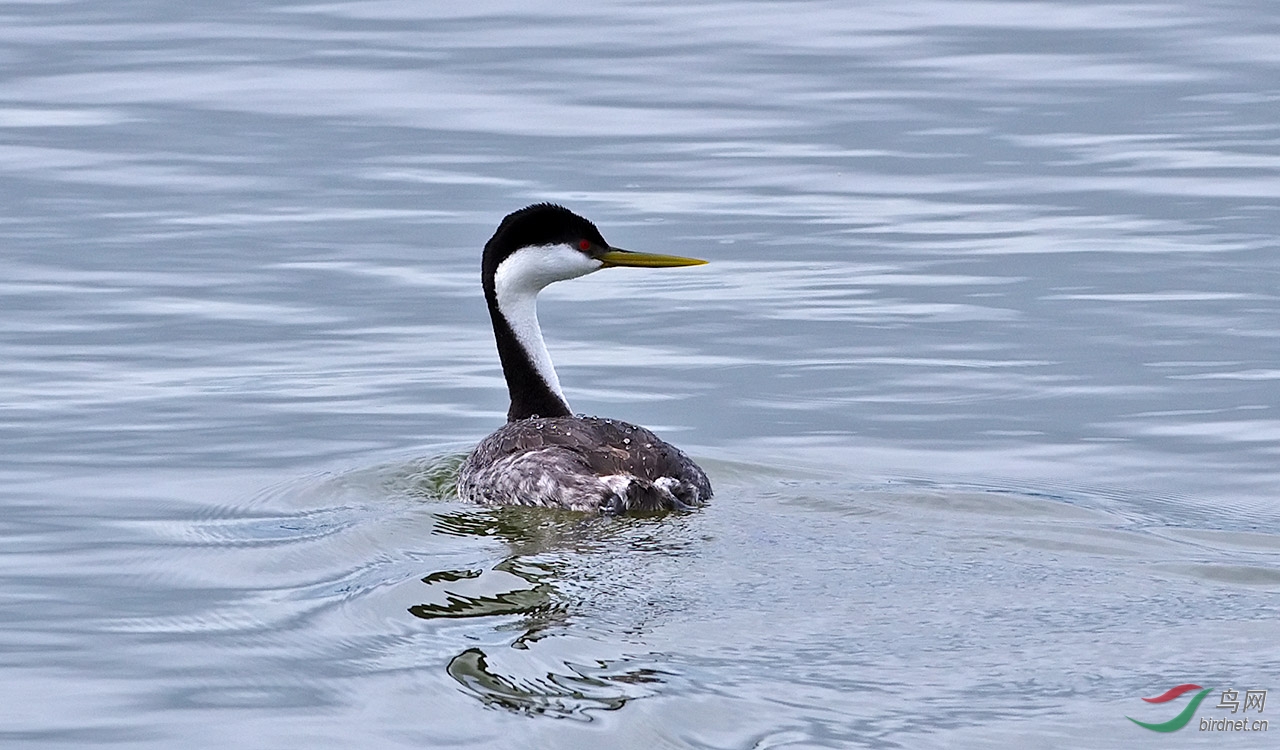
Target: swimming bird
x=544, y=455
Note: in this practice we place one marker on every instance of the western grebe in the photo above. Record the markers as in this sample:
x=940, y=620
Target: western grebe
x=544, y=455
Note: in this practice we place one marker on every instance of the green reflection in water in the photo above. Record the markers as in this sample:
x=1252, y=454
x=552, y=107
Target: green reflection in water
x=550, y=571
x=575, y=693
x=536, y=600
x=432, y=477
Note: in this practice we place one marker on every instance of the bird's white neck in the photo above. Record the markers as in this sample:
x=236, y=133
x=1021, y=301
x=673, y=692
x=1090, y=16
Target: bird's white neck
x=520, y=308
x=516, y=284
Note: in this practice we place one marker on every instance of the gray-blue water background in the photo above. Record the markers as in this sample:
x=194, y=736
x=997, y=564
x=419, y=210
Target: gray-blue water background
x=984, y=367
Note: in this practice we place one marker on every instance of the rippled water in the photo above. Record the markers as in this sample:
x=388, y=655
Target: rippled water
x=984, y=368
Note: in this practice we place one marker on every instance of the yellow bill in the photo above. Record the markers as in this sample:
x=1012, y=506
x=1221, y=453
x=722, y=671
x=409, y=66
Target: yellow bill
x=616, y=257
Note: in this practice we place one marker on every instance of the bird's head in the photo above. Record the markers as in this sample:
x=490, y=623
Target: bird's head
x=544, y=243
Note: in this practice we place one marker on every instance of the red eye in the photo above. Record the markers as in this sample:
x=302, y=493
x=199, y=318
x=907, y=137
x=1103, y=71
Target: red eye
x=584, y=245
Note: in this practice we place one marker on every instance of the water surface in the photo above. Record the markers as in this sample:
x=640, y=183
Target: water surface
x=984, y=370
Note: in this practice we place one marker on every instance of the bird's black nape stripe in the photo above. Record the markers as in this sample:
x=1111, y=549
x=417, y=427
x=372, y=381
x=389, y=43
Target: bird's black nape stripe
x=530, y=395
